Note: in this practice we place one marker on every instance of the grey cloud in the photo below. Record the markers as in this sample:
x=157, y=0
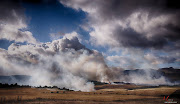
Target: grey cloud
x=13, y=22
x=157, y=18
x=7, y=9
x=130, y=38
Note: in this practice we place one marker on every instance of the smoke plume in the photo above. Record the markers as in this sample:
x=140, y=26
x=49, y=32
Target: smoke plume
x=64, y=63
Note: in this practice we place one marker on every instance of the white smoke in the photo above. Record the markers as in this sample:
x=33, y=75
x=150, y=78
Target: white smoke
x=64, y=63
x=150, y=77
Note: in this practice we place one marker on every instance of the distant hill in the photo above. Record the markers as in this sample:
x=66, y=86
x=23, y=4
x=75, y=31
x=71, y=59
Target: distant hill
x=170, y=73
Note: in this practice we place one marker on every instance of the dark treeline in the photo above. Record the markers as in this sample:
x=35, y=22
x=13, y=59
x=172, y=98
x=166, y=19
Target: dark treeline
x=5, y=85
x=54, y=87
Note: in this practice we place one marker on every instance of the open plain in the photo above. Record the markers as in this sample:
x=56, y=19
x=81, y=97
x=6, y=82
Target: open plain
x=104, y=94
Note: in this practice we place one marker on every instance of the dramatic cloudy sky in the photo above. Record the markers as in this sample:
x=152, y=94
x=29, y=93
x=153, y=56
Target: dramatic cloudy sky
x=87, y=36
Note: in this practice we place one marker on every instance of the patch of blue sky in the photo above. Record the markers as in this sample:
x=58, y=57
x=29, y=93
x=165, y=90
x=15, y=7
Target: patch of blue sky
x=45, y=19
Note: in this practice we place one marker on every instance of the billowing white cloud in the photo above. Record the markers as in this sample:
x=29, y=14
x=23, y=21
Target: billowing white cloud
x=55, y=36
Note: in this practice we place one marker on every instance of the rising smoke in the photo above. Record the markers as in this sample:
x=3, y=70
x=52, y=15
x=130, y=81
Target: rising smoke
x=64, y=63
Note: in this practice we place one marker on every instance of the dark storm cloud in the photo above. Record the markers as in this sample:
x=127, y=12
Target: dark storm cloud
x=174, y=34
x=7, y=7
x=13, y=22
x=130, y=38
x=160, y=17
x=124, y=8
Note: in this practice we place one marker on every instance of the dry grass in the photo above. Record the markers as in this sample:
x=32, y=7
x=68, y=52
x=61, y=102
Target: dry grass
x=108, y=95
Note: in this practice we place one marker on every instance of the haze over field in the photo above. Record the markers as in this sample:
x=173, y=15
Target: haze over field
x=67, y=43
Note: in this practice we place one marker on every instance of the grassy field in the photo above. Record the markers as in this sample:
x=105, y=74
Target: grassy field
x=104, y=94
